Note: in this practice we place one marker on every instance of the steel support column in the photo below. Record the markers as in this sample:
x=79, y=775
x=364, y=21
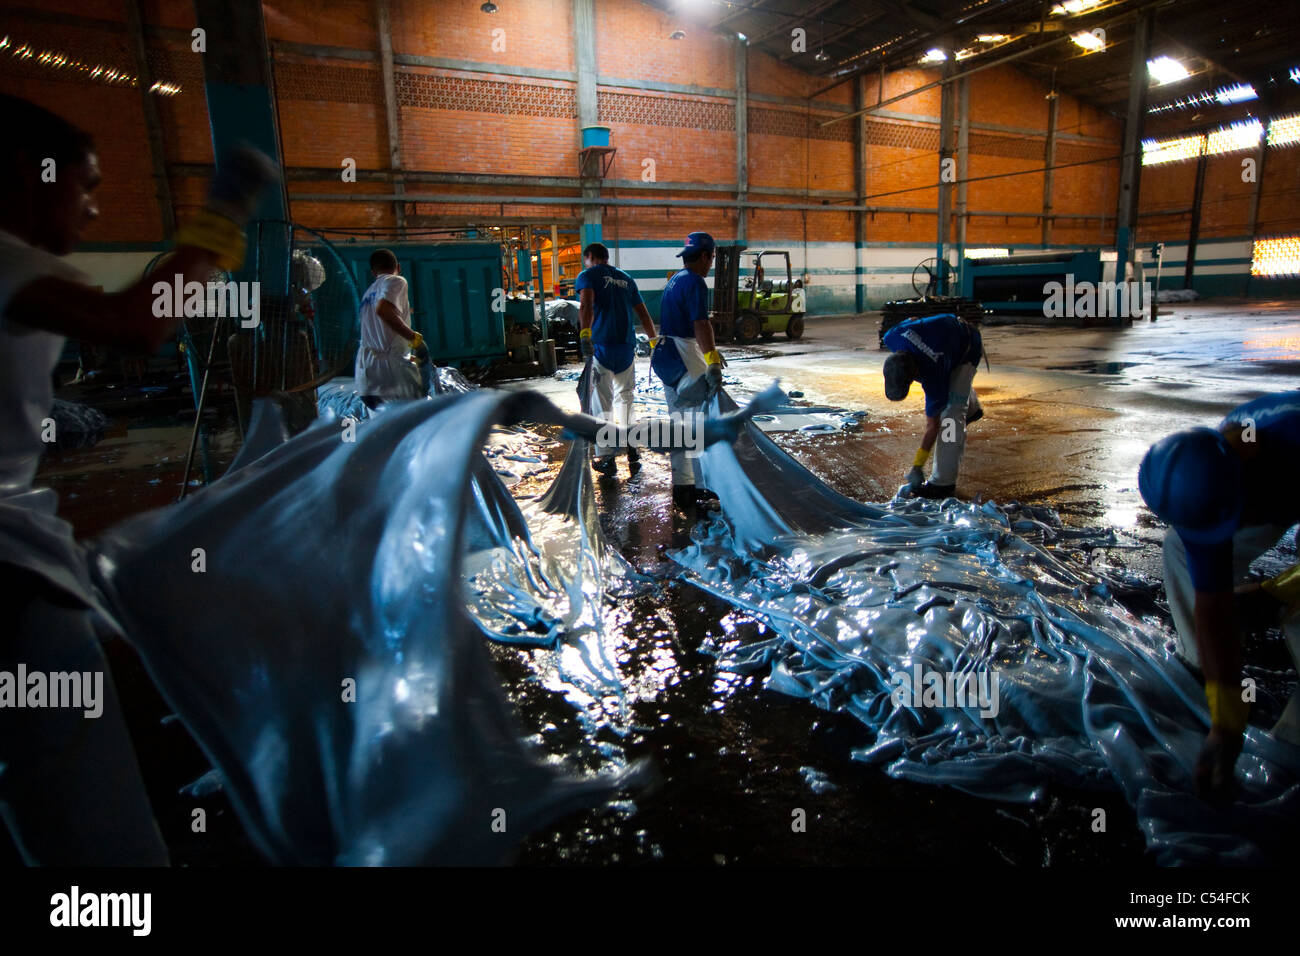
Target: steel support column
x=742, y=136
x=386, y=68
x=1049, y=161
x=860, y=191
x=947, y=108
x=1131, y=158
x=241, y=108
x=584, y=37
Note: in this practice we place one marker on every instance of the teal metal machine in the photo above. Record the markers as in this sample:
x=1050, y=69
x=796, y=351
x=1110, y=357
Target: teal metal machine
x=1015, y=283
x=453, y=289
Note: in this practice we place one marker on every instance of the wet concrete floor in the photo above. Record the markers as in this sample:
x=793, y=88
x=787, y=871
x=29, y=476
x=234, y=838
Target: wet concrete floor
x=1069, y=414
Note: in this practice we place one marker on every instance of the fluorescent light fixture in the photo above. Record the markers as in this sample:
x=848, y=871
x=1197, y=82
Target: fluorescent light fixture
x=1088, y=41
x=1165, y=69
x=1295, y=72
x=1071, y=7
x=1224, y=96
x=934, y=56
x=1236, y=94
x=991, y=38
x=987, y=253
x=965, y=54
x=742, y=38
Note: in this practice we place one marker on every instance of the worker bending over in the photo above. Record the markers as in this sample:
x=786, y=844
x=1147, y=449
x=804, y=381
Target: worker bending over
x=385, y=371
x=1229, y=495
x=686, y=352
x=70, y=786
x=942, y=352
x=609, y=298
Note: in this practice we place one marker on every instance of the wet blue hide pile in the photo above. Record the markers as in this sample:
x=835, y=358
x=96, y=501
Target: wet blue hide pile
x=977, y=656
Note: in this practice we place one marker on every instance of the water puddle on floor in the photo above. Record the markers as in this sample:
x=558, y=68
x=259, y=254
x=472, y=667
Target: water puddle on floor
x=1094, y=367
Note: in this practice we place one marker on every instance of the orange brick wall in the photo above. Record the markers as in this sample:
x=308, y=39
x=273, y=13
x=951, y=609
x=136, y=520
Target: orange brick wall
x=332, y=107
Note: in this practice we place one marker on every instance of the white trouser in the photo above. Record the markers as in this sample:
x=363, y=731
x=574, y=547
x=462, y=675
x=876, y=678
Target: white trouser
x=1247, y=545
x=611, y=397
x=952, y=426
x=388, y=375
x=683, y=462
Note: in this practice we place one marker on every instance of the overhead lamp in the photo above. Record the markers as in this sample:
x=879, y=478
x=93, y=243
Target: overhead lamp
x=934, y=56
x=1165, y=69
x=991, y=38
x=1071, y=7
x=1236, y=94
x=1088, y=41
x=489, y=7
x=820, y=56
x=677, y=35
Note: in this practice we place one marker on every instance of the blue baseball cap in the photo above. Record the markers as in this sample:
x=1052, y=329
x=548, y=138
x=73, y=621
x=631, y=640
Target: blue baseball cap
x=697, y=242
x=1193, y=480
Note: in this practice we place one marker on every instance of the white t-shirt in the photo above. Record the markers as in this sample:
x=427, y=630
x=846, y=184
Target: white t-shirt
x=375, y=333
x=32, y=536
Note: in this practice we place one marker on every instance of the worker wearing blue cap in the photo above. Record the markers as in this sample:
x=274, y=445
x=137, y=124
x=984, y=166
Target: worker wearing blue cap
x=1228, y=493
x=687, y=353
x=942, y=352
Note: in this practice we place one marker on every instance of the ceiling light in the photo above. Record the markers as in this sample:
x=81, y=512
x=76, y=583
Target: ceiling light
x=934, y=56
x=489, y=7
x=1088, y=41
x=677, y=35
x=742, y=38
x=821, y=56
x=991, y=38
x=1236, y=94
x=1071, y=7
x=965, y=54
x=1165, y=69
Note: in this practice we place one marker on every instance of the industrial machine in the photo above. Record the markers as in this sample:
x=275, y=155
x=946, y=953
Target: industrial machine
x=1015, y=283
x=926, y=282
x=747, y=307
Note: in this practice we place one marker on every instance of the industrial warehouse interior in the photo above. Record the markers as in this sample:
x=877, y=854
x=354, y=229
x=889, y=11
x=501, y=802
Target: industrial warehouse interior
x=650, y=433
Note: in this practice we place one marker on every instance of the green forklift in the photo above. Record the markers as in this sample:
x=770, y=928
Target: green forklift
x=747, y=305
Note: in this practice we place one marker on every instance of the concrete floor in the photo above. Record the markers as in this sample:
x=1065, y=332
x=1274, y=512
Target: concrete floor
x=1069, y=414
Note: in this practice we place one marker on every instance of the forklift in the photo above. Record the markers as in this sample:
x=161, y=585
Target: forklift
x=746, y=309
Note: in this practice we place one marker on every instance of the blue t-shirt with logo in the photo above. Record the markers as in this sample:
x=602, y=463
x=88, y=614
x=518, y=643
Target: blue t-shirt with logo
x=613, y=327
x=1268, y=480
x=939, y=343
x=685, y=301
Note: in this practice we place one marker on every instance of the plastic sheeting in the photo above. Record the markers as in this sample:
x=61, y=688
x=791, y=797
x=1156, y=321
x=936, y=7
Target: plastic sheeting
x=307, y=618
x=326, y=561
x=866, y=601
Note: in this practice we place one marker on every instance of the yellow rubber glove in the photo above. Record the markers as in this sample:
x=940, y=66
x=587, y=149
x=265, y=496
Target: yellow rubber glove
x=1227, y=710
x=1285, y=587
x=416, y=342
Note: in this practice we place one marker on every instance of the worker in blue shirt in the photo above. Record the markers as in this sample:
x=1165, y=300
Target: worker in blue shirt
x=686, y=353
x=1228, y=493
x=942, y=352
x=609, y=299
